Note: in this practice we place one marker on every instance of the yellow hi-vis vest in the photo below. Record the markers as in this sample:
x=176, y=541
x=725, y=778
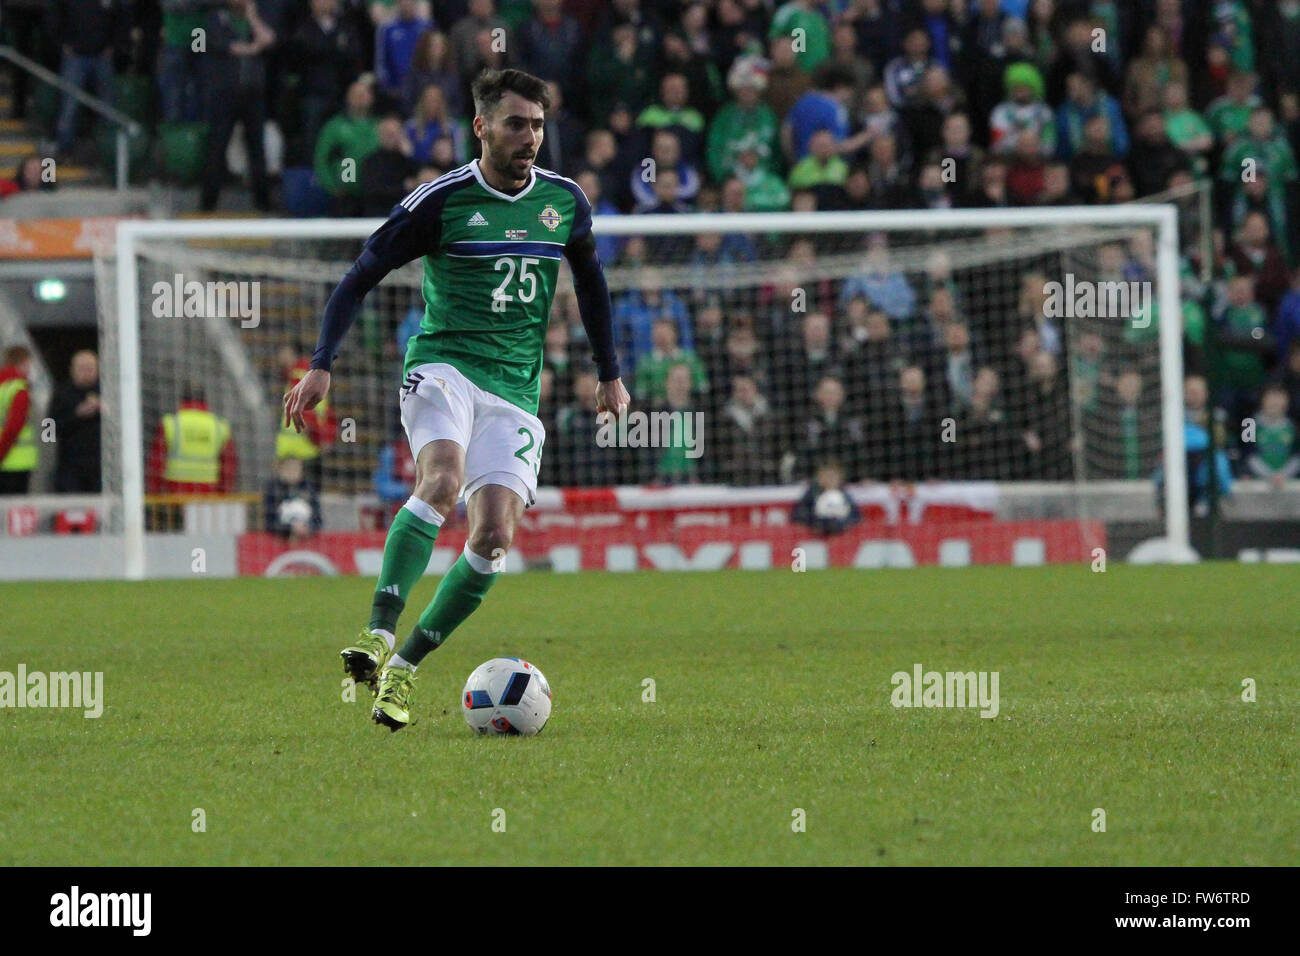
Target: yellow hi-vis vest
x=194, y=441
x=290, y=444
x=22, y=456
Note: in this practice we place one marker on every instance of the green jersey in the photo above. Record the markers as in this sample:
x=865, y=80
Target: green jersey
x=490, y=265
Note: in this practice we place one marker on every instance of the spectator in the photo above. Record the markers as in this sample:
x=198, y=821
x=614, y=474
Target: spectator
x=1272, y=455
x=786, y=81
x=193, y=451
x=1187, y=129
x=1260, y=147
x=701, y=73
x=1022, y=111
x=549, y=45
x=431, y=65
x=1152, y=72
x=985, y=448
x=1229, y=115
x=905, y=432
x=562, y=138
x=635, y=312
x=388, y=173
x=1125, y=446
x=326, y=54
x=872, y=357
x=744, y=121
x=935, y=102
x=1047, y=423
x=826, y=507
x=291, y=504
x=481, y=18
x=180, y=66
x=17, y=438
x=763, y=190
x=235, y=85
x=674, y=113
x=1083, y=102
x=1253, y=253
x=396, y=42
x=827, y=432
x=431, y=122
x=1078, y=54
x=665, y=353
x=344, y=143
x=1196, y=440
x=1244, y=344
x=744, y=451
x=32, y=175
x=75, y=409
x=802, y=15
x=881, y=284
x=903, y=75
x=821, y=168
x=666, y=154
x=825, y=108
x=619, y=72
x=90, y=30
x=677, y=462
x=1095, y=168
x=1154, y=159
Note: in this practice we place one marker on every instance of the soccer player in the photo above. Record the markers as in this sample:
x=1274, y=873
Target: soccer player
x=491, y=234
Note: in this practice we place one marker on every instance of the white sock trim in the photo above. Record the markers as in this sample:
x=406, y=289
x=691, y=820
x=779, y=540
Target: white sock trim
x=398, y=661
x=424, y=511
x=484, y=565
x=387, y=636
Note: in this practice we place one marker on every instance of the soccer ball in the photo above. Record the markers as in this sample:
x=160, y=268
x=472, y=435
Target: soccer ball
x=506, y=696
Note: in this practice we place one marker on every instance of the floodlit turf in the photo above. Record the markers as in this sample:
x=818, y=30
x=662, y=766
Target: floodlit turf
x=1120, y=691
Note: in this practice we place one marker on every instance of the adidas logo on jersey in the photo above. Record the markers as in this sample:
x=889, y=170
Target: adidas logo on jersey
x=477, y=219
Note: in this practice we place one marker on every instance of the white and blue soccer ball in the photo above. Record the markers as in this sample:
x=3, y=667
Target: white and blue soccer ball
x=506, y=696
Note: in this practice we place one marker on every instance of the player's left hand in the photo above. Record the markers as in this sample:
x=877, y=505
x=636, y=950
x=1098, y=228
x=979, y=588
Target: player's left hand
x=611, y=396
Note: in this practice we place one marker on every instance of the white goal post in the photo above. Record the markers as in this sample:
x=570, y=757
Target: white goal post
x=126, y=308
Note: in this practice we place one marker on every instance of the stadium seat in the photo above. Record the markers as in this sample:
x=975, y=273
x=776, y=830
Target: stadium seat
x=134, y=96
x=303, y=196
x=137, y=147
x=181, y=147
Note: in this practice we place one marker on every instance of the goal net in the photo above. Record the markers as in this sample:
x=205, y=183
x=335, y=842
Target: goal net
x=997, y=367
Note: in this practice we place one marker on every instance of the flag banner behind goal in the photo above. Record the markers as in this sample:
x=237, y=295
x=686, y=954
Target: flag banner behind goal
x=841, y=357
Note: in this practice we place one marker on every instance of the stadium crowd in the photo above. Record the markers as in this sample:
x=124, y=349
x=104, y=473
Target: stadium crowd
x=754, y=105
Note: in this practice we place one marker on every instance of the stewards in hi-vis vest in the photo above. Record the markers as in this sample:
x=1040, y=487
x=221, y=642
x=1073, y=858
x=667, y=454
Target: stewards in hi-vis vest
x=192, y=450
x=17, y=438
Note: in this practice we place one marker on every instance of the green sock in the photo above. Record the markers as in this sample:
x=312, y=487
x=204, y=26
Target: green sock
x=406, y=555
x=458, y=596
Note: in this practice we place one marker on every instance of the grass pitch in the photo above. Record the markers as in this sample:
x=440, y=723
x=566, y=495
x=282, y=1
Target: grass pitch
x=1120, y=691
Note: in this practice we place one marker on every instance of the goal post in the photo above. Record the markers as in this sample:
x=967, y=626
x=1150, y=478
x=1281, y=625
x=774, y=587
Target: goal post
x=297, y=262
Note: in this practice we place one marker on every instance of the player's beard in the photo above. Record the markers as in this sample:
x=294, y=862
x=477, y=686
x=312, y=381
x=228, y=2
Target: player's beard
x=508, y=163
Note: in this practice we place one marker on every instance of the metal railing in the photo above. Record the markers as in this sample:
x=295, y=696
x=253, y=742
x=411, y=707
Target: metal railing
x=126, y=127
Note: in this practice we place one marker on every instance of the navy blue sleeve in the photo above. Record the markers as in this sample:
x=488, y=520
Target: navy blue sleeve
x=592, y=291
x=412, y=230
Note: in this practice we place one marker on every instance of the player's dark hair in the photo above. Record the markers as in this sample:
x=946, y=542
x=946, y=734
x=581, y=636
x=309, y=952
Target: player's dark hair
x=490, y=85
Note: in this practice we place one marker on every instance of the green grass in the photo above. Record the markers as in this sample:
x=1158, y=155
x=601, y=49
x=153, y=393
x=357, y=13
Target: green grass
x=1119, y=690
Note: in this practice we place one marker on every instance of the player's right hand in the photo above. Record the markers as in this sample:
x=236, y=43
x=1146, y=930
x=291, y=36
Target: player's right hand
x=303, y=397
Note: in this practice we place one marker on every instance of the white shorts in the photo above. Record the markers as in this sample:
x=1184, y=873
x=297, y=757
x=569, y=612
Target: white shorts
x=502, y=442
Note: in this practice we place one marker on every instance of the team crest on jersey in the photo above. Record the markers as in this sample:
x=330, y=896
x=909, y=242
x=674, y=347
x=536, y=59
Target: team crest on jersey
x=549, y=217
x=516, y=233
